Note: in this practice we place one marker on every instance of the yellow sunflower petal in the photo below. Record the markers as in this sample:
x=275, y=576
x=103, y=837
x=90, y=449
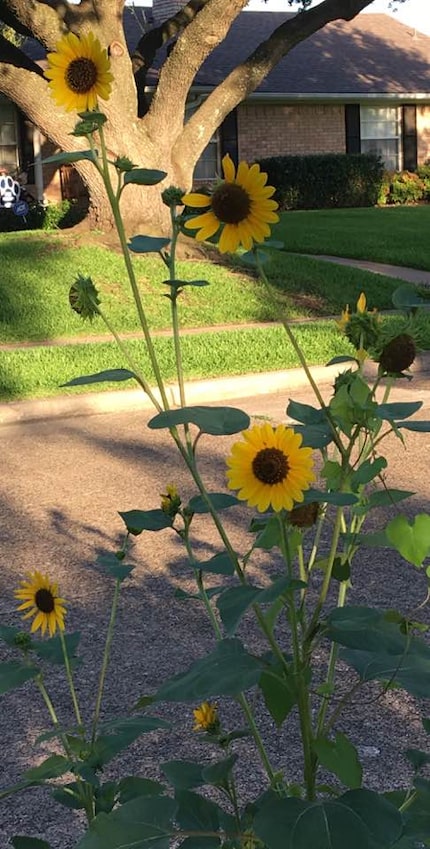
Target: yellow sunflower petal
x=230, y=239
x=196, y=199
x=228, y=168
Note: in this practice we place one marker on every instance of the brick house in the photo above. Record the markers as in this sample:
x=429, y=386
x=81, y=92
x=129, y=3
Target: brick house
x=358, y=86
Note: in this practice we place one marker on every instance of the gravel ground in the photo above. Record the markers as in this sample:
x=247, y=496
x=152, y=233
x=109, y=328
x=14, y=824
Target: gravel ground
x=61, y=484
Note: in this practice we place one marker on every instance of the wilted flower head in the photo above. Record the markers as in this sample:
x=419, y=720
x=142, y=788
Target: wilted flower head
x=398, y=354
x=305, y=515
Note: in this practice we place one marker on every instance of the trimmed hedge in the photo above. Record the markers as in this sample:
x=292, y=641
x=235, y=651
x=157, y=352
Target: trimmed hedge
x=325, y=180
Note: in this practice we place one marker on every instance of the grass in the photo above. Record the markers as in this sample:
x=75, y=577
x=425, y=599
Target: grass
x=39, y=372
x=397, y=235
x=37, y=271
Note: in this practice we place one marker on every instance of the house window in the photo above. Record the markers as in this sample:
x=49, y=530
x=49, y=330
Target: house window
x=8, y=137
x=208, y=165
x=381, y=133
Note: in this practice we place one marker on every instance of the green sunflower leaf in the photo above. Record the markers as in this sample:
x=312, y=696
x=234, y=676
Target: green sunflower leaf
x=411, y=538
x=72, y=156
x=51, y=650
x=13, y=674
x=21, y=842
x=141, y=823
x=226, y=671
x=131, y=787
x=112, y=375
x=147, y=244
x=219, y=564
x=219, y=500
x=218, y=421
x=144, y=176
x=137, y=521
x=183, y=775
x=52, y=767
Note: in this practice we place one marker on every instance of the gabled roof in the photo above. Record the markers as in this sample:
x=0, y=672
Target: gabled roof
x=371, y=55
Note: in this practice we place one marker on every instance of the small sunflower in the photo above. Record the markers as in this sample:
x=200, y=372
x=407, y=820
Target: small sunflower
x=240, y=204
x=170, y=500
x=39, y=597
x=269, y=468
x=79, y=72
x=206, y=717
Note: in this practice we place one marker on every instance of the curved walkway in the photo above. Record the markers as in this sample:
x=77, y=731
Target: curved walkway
x=409, y=275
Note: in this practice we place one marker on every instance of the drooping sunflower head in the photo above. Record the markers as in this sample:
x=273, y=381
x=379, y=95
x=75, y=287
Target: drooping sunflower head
x=206, y=718
x=79, y=72
x=39, y=599
x=270, y=468
x=240, y=207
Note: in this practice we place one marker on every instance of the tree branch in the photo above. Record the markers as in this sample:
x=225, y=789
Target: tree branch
x=12, y=55
x=205, y=32
x=148, y=46
x=30, y=92
x=245, y=78
x=39, y=20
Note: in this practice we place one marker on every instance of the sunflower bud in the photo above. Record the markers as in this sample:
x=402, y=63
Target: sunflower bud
x=22, y=641
x=172, y=196
x=123, y=163
x=398, y=354
x=83, y=297
x=170, y=501
x=305, y=515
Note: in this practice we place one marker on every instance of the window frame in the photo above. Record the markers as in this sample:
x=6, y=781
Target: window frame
x=5, y=102
x=381, y=137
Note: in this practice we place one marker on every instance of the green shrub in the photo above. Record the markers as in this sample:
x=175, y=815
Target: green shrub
x=423, y=172
x=324, y=180
x=406, y=187
x=40, y=217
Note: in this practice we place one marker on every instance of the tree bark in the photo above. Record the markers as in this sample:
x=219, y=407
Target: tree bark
x=159, y=139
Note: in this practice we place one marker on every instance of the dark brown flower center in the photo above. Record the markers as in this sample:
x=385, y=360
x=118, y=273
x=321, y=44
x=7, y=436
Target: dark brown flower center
x=44, y=600
x=270, y=465
x=81, y=75
x=230, y=203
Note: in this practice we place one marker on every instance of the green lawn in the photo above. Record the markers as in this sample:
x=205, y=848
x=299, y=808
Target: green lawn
x=398, y=235
x=39, y=372
x=38, y=269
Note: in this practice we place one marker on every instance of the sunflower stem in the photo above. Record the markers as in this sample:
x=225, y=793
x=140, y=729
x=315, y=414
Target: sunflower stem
x=105, y=661
x=139, y=377
x=87, y=799
x=69, y=675
x=174, y=307
x=300, y=666
x=115, y=207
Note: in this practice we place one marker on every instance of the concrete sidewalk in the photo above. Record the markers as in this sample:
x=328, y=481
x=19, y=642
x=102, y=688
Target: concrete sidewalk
x=200, y=391
x=408, y=275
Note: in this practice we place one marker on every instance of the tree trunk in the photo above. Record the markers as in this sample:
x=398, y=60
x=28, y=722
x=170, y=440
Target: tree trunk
x=141, y=206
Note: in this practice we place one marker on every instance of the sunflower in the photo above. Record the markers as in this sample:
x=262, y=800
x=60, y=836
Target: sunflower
x=79, y=72
x=240, y=204
x=206, y=717
x=40, y=599
x=269, y=468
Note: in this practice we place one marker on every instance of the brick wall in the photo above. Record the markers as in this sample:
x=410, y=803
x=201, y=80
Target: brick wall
x=423, y=133
x=269, y=130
